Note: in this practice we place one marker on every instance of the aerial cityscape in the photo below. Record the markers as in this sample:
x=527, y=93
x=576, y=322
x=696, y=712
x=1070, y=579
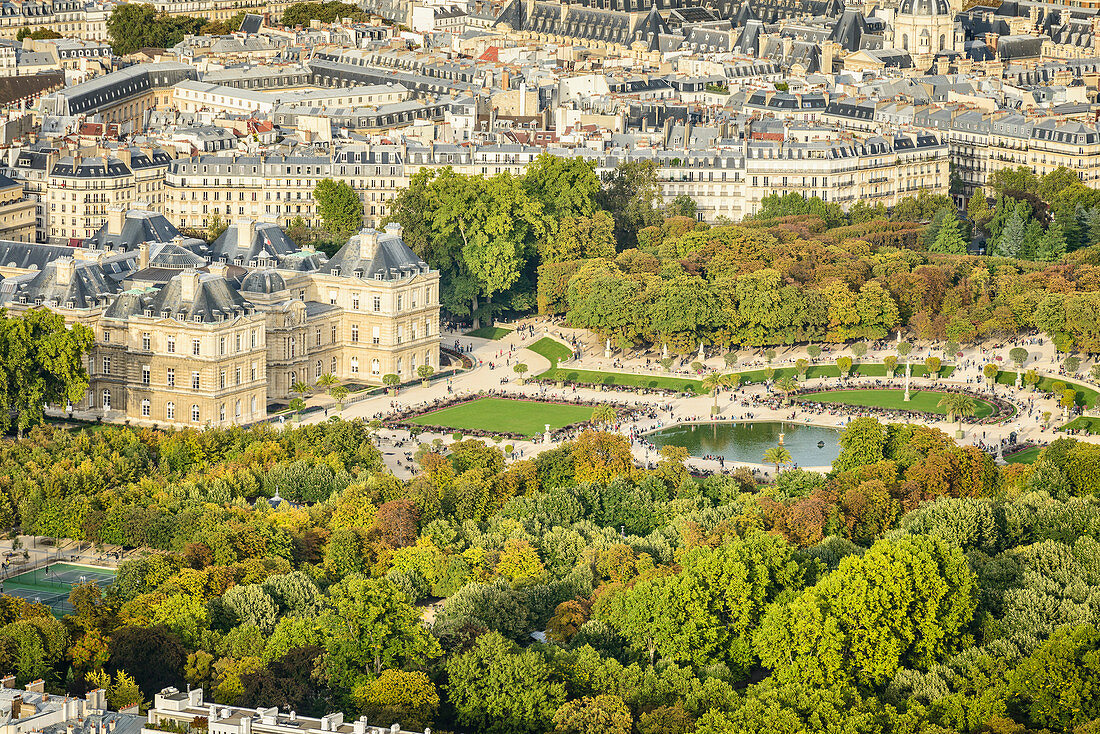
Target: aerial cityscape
x=550, y=367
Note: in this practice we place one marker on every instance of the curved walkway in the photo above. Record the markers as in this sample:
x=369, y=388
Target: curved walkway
x=493, y=371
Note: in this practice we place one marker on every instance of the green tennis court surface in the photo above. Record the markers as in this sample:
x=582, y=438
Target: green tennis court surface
x=51, y=584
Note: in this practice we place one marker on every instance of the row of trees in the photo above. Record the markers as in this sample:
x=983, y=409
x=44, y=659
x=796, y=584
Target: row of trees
x=918, y=587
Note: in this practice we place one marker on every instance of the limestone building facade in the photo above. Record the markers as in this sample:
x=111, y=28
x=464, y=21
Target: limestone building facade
x=190, y=333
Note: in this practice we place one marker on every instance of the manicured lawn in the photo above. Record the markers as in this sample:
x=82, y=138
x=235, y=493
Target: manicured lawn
x=688, y=384
x=652, y=382
x=489, y=332
x=526, y=417
x=1086, y=396
x=870, y=369
x=552, y=349
x=1083, y=423
x=922, y=400
x=1027, y=456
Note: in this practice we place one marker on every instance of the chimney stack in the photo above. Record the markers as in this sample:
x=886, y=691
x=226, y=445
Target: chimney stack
x=143, y=256
x=368, y=243
x=116, y=217
x=246, y=232
x=63, y=270
x=189, y=285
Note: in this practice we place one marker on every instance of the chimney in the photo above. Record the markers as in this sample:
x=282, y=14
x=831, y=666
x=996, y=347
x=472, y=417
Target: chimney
x=143, y=256
x=116, y=217
x=246, y=232
x=218, y=270
x=63, y=271
x=189, y=285
x=39, y=686
x=8, y=682
x=368, y=243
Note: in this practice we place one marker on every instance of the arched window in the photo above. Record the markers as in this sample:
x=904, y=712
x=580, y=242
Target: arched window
x=375, y=367
x=237, y=409
x=106, y=399
x=253, y=405
x=905, y=41
x=943, y=42
x=194, y=414
x=170, y=411
x=354, y=365
x=145, y=408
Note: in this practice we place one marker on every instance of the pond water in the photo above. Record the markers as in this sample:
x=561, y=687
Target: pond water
x=746, y=442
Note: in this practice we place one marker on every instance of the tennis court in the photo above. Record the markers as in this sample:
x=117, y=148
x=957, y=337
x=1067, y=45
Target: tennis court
x=51, y=584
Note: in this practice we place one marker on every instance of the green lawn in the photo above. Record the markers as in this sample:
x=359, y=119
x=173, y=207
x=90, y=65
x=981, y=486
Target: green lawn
x=688, y=384
x=1027, y=456
x=489, y=332
x=526, y=417
x=594, y=377
x=871, y=369
x=1084, y=423
x=1086, y=396
x=922, y=400
x=552, y=349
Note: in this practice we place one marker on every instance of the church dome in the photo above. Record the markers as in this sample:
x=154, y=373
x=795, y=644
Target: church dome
x=263, y=281
x=924, y=7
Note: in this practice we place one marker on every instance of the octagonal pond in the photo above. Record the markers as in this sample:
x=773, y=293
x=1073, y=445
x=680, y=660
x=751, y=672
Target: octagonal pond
x=744, y=442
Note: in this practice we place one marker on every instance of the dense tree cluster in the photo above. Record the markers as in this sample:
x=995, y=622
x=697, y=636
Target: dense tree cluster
x=917, y=588
x=134, y=26
x=804, y=271
x=329, y=11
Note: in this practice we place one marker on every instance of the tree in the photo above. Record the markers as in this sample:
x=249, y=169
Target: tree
x=339, y=393
x=957, y=405
x=1011, y=240
x=904, y=603
x=391, y=381
x=301, y=388
x=520, y=369
x=630, y=193
x=425, y=372
x=339, y=206
x=682, y=205
x=1056, y=684
x=949, y=238
x=371, y=626
x=844, y=364
x=814, y=350
x=132, y=27
x=600, y=457
x=153, y=656
x=1032, y=378
x=990, y=372
x=777, y=455
x=604, y=415
x=890, y=362
x=862, y=442
x=977, y=208
x=42, y=364
x=932, y=364
x=712, y=382
x=597, y=715
x=1072, y=364
x=1052, y=244
x=397, y=695
x=802, y=366
x=327, y=11
x=786, y=385
x=499, y=689
x=1018, y=355
x=859, y=349
x=297, y=405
